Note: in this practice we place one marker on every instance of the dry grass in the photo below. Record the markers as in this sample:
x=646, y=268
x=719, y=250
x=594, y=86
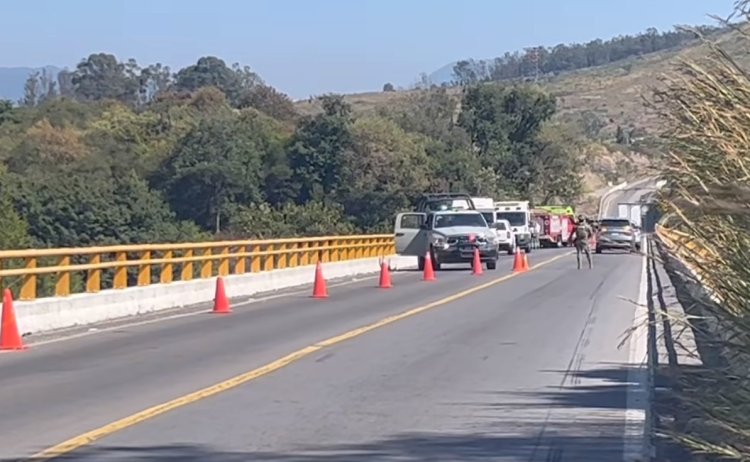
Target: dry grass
x=704, y=104
x=612, y=94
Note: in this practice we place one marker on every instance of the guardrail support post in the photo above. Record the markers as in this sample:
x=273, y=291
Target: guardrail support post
x=28, y=286
x=241, y=263
x=207, y=267
x=94, y=276
x=283, y=258
x=62, y=286
x=121, y=272
x=224, y=262
x=166, y=274
x=268, y=260
x=144, y=270
x=256, y=259
x=187, y=272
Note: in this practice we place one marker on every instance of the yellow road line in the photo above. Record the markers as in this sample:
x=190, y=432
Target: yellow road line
x=87, y=438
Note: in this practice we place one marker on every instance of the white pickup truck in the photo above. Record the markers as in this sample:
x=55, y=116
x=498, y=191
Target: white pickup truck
x=451, y=236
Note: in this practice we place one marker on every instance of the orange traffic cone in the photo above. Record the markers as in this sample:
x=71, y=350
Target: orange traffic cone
x=320, y=290
x=429, y=273
x=10, y=337
x=221, y=303
x=518, y=262
x=477, y=265
x=385, y=276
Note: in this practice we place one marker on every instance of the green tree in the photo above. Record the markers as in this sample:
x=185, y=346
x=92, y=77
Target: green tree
x=315, y=218
x=211, y=71
x=14, y=231
x=503, y=123
x=387, y=166
x=557, y=167
x=269, y=101
x=216, y=164
x=101, y=76
x=83, y=205
x=317, y=148
x=7, y=114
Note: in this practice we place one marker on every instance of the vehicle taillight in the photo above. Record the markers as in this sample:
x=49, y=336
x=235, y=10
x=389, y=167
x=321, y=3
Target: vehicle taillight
x=508, y=232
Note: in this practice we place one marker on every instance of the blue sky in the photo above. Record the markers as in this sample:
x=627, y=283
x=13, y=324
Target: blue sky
x=308, y=47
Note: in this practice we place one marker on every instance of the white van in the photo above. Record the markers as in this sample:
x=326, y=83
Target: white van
x=518, y=215
x=505, y=237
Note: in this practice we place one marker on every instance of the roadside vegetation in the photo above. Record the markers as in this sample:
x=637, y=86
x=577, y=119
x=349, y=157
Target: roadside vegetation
x=705, y=105
x=117, y=152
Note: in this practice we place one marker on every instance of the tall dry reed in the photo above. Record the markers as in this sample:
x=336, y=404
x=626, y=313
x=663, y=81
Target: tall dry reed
x=705, y=108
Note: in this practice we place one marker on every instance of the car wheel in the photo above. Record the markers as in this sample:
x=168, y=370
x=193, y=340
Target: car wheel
x=528, y=249
x=492, y=264
x=598, y=250
x=420, y=263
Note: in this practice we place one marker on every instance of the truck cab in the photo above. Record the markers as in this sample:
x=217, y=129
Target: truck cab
x=444, y=201
x=518, y=215
x=503, y=230
x=450, y=236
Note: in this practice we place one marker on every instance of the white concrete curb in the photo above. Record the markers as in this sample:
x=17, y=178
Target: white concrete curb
x=49, y=314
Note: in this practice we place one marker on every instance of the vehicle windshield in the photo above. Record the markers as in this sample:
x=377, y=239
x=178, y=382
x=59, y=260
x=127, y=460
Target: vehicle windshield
x=514, y=218
x=614, y=223
x=500, y=225
x=437, y=205
x=449, y=220
x=489, y=217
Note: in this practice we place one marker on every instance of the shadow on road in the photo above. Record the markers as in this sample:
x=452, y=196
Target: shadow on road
x=546, y=426
x=571, y=445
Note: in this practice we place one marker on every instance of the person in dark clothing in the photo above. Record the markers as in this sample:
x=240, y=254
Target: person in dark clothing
x=581, y=236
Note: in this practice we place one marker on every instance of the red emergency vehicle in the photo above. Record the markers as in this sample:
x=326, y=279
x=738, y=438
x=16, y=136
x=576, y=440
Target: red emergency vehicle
x=555, y=229
x=567, y=217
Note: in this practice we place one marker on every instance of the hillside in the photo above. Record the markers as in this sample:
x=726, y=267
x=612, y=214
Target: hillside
x=140, y=153
x=609, y=95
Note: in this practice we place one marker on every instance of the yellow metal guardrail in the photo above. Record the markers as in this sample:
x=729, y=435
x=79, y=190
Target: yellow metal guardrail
x=119, y=267
x=678, y=241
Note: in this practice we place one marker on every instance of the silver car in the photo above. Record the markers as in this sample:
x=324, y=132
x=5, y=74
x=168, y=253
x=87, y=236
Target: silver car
x=616, y=233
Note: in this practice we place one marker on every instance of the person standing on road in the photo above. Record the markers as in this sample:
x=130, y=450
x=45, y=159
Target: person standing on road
x=582, y=234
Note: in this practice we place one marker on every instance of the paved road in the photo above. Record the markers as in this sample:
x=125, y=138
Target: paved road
x=633, y=192
x=525, y=370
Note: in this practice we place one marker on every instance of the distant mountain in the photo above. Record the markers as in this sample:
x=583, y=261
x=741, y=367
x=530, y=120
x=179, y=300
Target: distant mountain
x=445, y=73
x=442, y=75
x=12, y=80
x=539, y=61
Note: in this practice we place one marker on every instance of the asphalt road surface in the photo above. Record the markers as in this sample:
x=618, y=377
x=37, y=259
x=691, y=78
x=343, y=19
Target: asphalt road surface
x=643, y=190
x=527, y=369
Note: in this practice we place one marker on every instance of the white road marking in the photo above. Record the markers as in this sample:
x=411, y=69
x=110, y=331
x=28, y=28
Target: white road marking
x=636, y=446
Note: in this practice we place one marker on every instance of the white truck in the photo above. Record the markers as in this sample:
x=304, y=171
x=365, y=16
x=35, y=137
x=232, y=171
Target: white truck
x=518, y=215
x=630, y=211
x=505, y=238
x=450, y=236
x=486, y=206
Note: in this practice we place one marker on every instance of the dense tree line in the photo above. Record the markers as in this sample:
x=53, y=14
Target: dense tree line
x=540, y=61
x=112, y=152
